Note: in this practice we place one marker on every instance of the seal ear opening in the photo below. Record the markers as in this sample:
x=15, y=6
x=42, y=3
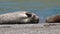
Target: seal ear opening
x=28, y=14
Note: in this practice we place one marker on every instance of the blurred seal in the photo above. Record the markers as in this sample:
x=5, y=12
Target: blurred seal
x=21, y=17
x=53, y=19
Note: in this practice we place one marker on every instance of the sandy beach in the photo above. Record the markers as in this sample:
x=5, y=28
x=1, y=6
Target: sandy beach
x=43, y=28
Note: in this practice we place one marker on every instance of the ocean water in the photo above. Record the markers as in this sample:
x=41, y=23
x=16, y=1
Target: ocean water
x=38, y=8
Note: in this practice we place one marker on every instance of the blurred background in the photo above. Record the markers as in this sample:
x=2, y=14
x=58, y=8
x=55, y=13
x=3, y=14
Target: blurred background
x=43, y=8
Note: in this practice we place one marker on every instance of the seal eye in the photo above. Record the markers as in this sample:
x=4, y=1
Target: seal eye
x=28, y=14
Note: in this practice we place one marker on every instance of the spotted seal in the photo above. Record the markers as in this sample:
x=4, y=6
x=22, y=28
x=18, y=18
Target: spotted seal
x=20, y=17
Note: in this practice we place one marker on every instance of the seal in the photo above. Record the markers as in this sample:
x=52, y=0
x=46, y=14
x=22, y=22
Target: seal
x=53, y=19
x=20, y=17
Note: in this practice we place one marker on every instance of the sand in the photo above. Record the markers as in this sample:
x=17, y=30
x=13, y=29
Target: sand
x=43, y=28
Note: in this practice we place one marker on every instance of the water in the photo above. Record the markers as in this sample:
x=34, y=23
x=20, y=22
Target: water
x=6, y=7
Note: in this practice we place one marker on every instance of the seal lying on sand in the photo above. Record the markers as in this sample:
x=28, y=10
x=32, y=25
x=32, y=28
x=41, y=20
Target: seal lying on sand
x=22, y=17
x=53, y=19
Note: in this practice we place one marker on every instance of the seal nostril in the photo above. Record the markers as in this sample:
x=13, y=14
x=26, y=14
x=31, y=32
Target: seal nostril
x=28, y=14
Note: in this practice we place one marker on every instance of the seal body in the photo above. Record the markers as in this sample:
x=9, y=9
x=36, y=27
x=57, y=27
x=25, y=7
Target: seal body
x=53, y=19
x=22, y=17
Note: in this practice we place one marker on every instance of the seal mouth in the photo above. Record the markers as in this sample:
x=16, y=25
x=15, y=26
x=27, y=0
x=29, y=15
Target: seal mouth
x=35, y=21
x=33, y=18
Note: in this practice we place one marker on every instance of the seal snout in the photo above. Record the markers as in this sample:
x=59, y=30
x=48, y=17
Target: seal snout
x=33, y=18
x=36, y=18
